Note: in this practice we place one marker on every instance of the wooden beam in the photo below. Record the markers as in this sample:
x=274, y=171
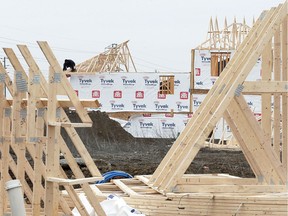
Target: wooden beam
x=124, y=188
x=257, y=87
x=284, y=48
x=267, y=63
x=241, y=139
x=230, y=188
x=41, y=102
x=76, y=140
x=265, y=86
x=34, y=88
x=216, y=180
x=18, y=113
x=69, y=124
x=3, y=161
x=91, y=196
x=63, y=181
x=192, y=73
x=53, y=151
x=7, y=80
x=277, y=96
x=64, y=81
x=74, y=197
x=206, y=117
x=270, y=168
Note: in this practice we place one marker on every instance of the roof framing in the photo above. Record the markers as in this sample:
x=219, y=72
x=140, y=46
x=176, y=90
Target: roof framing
x=116, y=58
x=225, y=99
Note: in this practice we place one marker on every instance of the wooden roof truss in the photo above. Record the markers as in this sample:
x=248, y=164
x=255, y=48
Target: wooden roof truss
x=30, y=126
x=229, y=38
x=116, y=58
x=267, y=160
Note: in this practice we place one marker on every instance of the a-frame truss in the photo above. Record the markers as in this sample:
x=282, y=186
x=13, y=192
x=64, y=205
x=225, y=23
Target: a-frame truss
x=225, y=99
x=171, y=192
x=230, y=37
x=30, y=139
x=116, y=58
x=30, y=136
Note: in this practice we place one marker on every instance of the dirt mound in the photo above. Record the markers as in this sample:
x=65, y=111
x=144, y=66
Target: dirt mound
x=115, y=149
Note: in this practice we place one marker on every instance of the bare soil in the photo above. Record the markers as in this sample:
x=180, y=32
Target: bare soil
x=112, y=148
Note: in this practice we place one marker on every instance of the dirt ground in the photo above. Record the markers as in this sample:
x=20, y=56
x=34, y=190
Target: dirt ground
x=112, y=148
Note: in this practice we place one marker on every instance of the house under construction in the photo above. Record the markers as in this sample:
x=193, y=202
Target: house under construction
x=31, y=141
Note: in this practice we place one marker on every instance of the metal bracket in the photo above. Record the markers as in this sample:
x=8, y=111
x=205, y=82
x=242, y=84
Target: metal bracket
x=57, y=78
x=238, y=90
x=222, y=88
x=2, y=77
x=58, y=113
x=41, y=112
x=8, y=112
x=260, y=178
x=21, y=83
x=19, y=139
x=36, y=79
x=23, y=113
x=34, y=139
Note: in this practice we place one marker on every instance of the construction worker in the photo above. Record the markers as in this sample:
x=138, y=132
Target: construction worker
x=69, y=64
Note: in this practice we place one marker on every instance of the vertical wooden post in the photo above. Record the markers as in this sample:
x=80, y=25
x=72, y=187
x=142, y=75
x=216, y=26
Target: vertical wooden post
x=266, y=98
x=19, y=114
x=277, y=96
x=5, y=153
x=38, y=164
x=33, y=139
x=192, y=74
x=284, y=43
x=2, y=143
x=52, y=152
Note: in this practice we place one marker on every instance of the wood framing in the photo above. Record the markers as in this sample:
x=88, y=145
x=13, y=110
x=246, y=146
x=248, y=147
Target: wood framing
x=225, y=97
x=31, y=142
x=230, y=37
x=116, y=58
x=34, y=107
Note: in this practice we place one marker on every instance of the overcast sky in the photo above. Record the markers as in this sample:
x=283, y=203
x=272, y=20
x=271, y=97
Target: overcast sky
x=161, y=32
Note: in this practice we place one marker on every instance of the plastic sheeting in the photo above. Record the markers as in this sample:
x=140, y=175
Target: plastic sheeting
x=157, y=125
x=170, y=126
x=202, y=69
x=133, y=92
x=112, y=206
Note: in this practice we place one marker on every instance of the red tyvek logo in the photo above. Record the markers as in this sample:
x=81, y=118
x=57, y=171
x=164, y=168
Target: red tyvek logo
x=117, y=94
x=198, y=71
x=95, y=94
x=169, y=115
x=184, y=95
x=139, y=94
x=146, y=114
x=161, y=96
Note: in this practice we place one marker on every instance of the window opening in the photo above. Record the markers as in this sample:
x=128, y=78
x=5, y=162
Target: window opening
x=219, y=60
x=166, y=85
